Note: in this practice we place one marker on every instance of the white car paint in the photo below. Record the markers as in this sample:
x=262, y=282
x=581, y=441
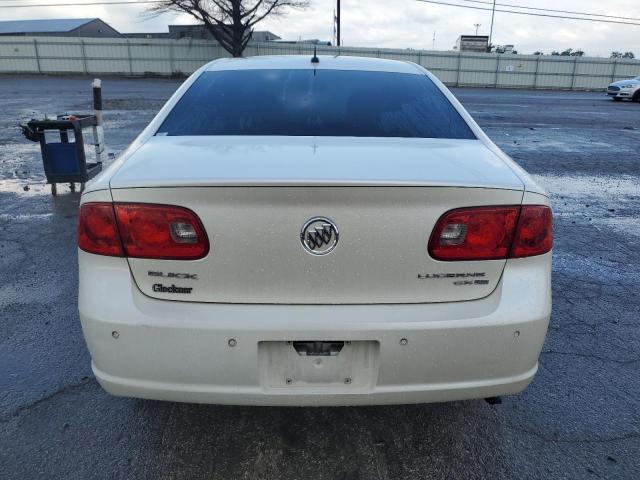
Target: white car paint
x=280, y=161
x=407, y=340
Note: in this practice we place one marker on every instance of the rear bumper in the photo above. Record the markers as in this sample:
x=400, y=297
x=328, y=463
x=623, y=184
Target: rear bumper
x=382, y=395
x=180, y=351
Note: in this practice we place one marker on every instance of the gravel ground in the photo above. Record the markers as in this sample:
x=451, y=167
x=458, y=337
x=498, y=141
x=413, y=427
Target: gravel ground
x=580, y=418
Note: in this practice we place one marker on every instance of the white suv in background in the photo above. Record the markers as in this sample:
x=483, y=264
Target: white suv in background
x=625, y=89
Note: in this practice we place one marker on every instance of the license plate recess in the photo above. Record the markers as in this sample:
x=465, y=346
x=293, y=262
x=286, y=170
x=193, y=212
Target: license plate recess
x=348, y=365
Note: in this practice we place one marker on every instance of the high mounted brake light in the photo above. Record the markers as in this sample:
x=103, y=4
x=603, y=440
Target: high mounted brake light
x=141, y=230
x=492, y=233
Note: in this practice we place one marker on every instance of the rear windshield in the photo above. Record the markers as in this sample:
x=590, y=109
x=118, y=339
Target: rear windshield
x=341, y=103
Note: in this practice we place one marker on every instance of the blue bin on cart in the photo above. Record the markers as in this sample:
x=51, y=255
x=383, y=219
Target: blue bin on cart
x=65, y=161
x=63, y=158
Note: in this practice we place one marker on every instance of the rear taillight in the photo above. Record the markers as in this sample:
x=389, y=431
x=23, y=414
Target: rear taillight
x=491, y=233
x=142, y=230
x=97, y=229
x=534, y=235
x=483, y=233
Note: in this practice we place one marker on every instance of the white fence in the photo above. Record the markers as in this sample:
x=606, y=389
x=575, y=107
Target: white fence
x=61, y=55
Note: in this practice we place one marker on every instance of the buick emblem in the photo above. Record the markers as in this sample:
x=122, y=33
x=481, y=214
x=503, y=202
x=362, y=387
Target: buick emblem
x=319, y=236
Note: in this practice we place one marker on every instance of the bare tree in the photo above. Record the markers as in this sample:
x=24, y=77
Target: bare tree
x=230, y=22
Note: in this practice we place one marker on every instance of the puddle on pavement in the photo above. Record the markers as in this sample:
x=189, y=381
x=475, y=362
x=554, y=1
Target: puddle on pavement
x=31, y=187
x=24, y=216
x=601, y=187
x=607, y=206
x=559, y=141
x=603, y=201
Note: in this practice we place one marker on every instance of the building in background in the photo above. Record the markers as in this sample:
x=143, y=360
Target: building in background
x=472, y=43
x=149, y=35
x=201, y=32
x=505, y=49
x=309, y=41
x=95, y=27
x=61, y=27
x=197, y=32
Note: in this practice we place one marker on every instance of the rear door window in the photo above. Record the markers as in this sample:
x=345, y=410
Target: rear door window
x=340, y=103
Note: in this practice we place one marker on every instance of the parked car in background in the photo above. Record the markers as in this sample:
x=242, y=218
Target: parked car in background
x=622, y=89
x=314, y=231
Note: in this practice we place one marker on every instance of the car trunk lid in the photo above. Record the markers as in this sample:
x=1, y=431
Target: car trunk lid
x=255, y=198
x=264, y=161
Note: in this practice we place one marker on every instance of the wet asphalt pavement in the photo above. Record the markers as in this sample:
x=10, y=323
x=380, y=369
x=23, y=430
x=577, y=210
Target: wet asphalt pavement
x=580, y=418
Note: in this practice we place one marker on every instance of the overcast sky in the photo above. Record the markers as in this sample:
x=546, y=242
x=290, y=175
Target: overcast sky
x=402, y=23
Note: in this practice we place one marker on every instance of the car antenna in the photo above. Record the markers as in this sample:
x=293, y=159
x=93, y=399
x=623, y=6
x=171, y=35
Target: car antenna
x=315, y=58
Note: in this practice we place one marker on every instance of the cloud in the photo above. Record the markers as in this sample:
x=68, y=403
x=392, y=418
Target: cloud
x=405, y=24
x=411, y=24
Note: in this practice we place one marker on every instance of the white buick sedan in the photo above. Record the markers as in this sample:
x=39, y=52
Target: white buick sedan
x=298, y=231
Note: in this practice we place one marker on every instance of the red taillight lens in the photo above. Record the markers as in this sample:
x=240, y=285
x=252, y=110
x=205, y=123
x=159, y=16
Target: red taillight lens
x=141, y=230
x=534, y=235
x=161, y=232
x=97, y=230
x=490, y=233
x=478, y=233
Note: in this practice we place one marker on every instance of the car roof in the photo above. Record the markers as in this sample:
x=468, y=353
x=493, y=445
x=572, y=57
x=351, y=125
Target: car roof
x=300, y=62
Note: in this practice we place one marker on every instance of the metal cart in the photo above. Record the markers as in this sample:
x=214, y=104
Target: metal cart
x=65, y=161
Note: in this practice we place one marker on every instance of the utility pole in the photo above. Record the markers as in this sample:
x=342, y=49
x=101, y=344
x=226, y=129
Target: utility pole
x=338, y=23
x=477, y=25
x=493, y=14
x=333, y=28
x=433, y=46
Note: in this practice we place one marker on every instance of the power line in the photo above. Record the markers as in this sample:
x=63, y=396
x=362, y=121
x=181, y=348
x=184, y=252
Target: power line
x=124, y=2
x=551, y=10
x=597, y=20
x=64, y=3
